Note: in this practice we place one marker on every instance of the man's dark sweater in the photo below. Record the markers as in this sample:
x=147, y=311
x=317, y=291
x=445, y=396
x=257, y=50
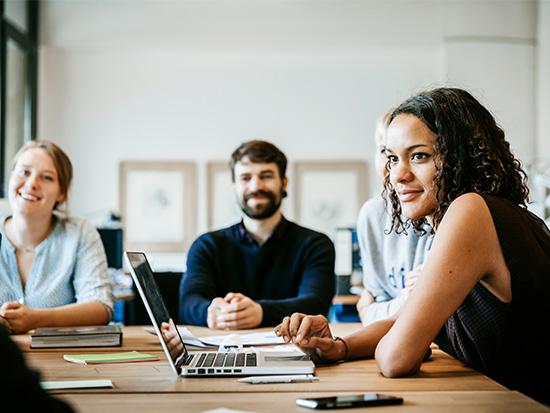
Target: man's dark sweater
x=292, y=271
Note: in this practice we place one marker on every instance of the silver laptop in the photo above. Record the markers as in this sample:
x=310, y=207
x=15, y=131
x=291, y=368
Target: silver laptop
x=207, y=363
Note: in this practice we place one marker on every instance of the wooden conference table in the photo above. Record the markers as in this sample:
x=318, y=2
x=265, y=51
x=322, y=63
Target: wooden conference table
x=443, y=384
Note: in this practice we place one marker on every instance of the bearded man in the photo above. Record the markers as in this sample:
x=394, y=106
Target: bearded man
x=263, y=268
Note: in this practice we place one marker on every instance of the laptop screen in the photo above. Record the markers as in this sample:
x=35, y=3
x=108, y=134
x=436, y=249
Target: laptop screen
x=152, y=299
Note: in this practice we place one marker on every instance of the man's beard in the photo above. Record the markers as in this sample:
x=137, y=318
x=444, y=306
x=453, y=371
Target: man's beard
x=262, y=211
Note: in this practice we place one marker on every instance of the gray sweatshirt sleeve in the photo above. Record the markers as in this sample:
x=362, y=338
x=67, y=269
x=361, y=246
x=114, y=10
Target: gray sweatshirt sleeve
x=370, y=230
x=385, y=258
x=383, y=309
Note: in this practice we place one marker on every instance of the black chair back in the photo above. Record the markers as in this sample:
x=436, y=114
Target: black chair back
x=168, y=284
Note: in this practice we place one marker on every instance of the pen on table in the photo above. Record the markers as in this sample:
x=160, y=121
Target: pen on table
x=298, y=378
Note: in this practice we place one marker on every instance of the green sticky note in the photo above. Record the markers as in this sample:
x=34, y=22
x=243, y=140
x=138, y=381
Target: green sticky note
x=98, y=358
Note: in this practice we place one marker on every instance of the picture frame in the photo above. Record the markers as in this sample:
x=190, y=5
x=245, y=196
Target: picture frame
x=223, y=208
x=158, y=205
x=328, y=194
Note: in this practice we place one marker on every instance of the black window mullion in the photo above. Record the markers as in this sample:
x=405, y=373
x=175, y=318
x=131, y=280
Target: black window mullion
x=3, y=75
x=16, y=35
x=32, y=72
x=28, y=41
x=32, y=63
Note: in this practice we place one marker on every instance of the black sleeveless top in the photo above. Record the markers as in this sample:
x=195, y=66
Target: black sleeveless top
x=509, y=342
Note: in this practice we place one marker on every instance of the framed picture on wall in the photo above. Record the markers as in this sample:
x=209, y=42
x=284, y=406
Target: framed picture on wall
x=328, y=194
x=223, y=209
x=158, y=205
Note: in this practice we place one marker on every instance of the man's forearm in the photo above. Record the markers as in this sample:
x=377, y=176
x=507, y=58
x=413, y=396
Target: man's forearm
x=193, y=309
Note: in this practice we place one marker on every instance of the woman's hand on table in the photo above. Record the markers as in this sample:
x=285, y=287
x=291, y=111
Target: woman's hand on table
x=312, y=334
x=19, y=317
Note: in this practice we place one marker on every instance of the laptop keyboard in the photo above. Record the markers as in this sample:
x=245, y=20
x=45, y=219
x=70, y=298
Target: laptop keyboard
x=187, y=361
x=227, y=360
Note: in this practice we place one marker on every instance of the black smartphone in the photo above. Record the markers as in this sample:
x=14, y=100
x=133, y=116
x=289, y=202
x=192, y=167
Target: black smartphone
x=355, y=400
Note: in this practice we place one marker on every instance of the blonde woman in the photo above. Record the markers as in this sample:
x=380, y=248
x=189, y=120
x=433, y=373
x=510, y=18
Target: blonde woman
x=53, y=269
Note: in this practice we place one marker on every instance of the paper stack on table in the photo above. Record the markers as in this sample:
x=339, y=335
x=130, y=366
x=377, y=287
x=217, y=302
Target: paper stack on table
x=186, y=336
x=266, y=338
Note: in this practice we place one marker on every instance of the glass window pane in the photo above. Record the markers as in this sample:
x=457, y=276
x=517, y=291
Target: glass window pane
x=16, y=12
x=17, y=104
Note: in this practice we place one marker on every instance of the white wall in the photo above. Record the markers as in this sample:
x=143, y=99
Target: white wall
x=193, y=79
x=543, y=81
x=313, y=84
x=490, y=48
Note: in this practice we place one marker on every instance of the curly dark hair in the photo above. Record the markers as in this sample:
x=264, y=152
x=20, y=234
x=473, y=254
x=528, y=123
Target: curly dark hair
x=471, y=154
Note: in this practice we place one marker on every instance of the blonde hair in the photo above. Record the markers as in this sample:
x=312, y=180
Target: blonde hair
x=382, y=126
x=61, y=161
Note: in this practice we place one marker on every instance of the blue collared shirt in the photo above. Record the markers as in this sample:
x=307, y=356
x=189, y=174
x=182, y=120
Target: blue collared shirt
x=70, y=266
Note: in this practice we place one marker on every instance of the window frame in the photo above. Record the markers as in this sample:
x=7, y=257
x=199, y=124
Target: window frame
x=28, y=42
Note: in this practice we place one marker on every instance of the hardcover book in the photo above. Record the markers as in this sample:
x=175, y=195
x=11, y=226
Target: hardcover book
x=83, y=336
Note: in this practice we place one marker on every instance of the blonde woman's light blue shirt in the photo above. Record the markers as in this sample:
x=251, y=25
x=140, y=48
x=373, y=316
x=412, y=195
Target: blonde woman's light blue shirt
x=70, y=266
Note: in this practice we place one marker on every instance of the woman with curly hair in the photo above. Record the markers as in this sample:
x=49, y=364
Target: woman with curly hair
x=391, y=262
x=487, y=277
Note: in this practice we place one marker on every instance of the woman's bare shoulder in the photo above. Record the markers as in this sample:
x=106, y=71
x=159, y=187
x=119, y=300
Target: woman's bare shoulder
x=467, y=236
x=467, y=210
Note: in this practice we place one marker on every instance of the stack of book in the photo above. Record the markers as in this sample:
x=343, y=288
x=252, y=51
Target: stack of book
x=86, y=336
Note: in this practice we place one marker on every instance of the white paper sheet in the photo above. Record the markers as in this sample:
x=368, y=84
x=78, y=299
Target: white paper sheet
x=266, y=338
x=186, y=336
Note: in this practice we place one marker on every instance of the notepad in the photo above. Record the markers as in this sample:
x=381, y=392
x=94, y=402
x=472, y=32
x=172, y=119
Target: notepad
x=103, y=358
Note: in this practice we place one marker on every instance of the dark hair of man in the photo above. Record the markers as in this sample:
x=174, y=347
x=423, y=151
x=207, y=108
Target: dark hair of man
x=259, y=152
x=470, y=154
